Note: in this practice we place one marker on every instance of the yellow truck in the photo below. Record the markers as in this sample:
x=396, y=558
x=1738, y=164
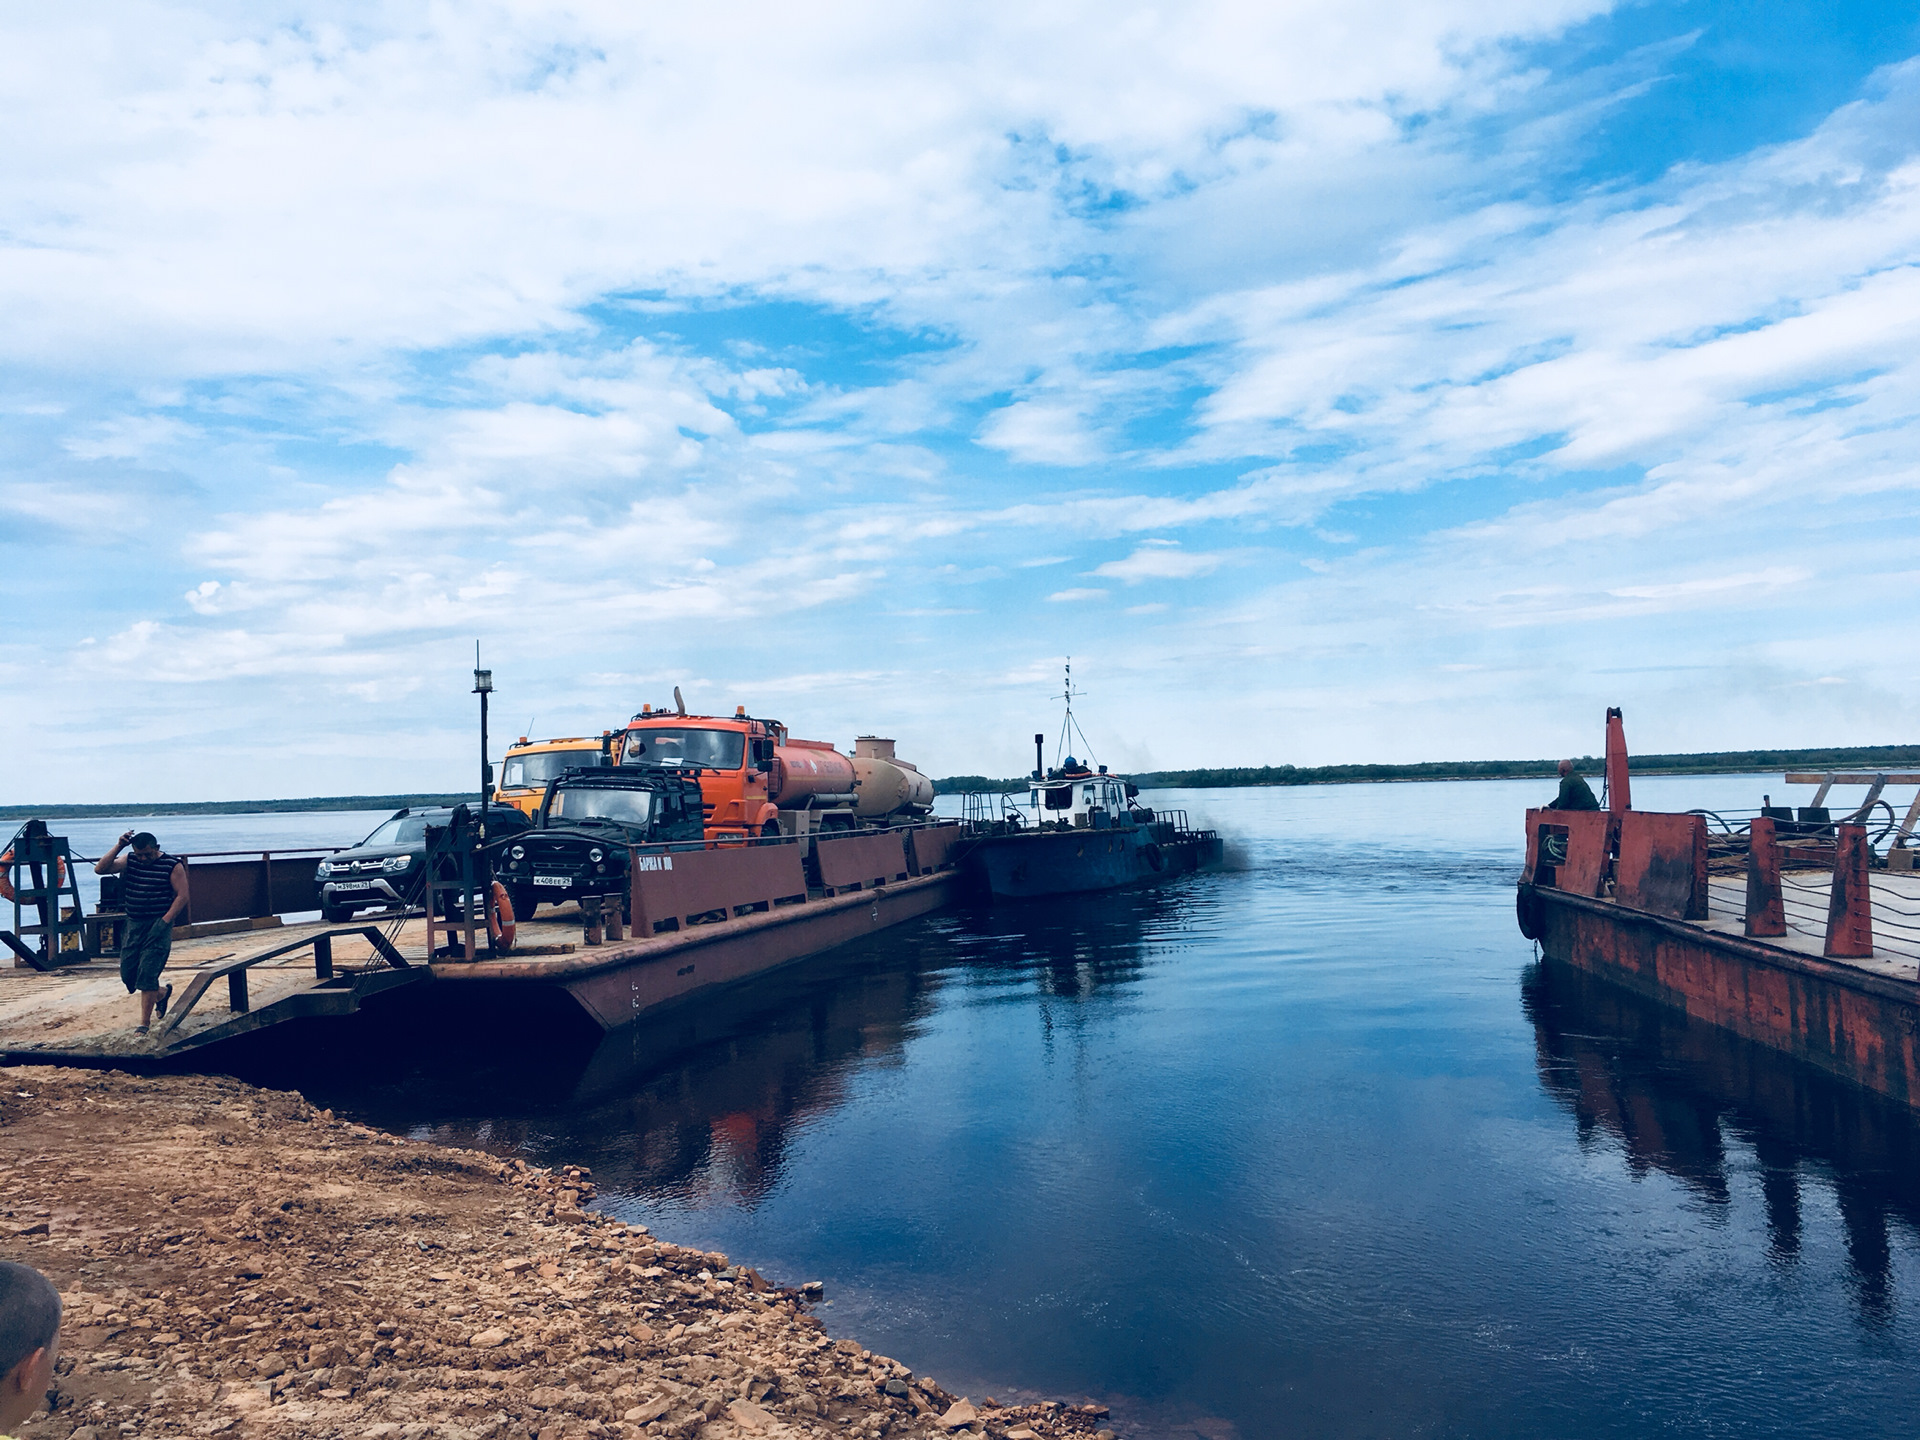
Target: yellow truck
x=530, y=764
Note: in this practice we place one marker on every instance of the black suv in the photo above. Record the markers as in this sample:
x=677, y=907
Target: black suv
x=388, y=867
x=587, y=819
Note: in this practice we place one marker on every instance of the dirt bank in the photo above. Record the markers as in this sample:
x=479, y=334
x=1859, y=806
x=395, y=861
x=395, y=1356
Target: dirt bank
x=238, y=1263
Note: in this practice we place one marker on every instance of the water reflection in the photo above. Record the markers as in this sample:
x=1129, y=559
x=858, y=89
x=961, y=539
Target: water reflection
x=700, y=1104
x=1674, y=1092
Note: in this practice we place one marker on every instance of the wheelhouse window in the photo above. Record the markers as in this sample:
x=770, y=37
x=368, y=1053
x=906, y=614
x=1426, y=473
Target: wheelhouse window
x=1060, y=797
x=685, y=745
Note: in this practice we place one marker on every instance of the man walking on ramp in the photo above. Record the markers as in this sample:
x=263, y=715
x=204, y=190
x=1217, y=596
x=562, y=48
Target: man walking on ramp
x=154, y=895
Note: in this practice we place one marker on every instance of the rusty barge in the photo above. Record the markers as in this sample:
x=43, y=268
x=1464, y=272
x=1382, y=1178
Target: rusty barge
x=1793, y=931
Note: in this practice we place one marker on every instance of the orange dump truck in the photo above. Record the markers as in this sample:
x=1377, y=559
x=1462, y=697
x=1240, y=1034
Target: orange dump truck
x=756, y=779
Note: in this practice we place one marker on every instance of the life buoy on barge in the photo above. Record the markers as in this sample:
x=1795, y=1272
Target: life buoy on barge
x=501, y=927
x=6, y=875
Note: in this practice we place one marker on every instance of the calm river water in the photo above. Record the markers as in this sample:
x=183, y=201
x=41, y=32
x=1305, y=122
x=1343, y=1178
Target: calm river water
x=1310, y=1147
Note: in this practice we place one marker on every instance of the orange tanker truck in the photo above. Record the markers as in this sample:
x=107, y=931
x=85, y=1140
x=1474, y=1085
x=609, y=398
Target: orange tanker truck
x=756, y=779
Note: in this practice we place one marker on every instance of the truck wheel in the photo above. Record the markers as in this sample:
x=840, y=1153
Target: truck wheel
x=523, y=898
x=336, y=914
x=770, y=830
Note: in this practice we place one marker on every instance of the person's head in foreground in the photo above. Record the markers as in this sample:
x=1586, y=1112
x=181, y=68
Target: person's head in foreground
x=29, y=1341
x=1566, y=767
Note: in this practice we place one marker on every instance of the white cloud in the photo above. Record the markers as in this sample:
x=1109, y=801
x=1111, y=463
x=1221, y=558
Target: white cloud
x=337, y=325
x=1041, y=434
x=1160, y=560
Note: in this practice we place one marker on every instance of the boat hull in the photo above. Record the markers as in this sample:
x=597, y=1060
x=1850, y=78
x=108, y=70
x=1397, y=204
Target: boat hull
x=1066, y=862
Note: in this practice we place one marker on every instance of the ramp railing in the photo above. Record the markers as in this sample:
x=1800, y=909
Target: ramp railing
x=234, y=972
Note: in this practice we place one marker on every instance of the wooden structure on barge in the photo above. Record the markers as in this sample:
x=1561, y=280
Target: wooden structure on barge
x=1792, y=933
x=701, y=919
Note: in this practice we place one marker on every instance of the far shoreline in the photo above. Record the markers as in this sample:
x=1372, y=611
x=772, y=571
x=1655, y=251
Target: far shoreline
x=1740, y=762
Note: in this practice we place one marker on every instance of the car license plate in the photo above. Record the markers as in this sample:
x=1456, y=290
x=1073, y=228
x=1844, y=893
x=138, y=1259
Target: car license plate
x=353, y=885
x=561, y=880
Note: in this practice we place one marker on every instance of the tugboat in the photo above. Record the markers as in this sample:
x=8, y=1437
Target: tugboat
x=1082, y=830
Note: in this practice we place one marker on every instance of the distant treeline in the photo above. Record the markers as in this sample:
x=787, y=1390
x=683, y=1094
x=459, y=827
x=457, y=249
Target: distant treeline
x=230, y=807
x=1706, y=762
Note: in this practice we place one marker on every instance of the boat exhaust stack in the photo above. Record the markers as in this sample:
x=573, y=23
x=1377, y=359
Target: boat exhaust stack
x=1039, y=757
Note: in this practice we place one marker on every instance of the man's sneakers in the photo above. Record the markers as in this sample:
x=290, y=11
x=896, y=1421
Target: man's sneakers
x=160, y=1005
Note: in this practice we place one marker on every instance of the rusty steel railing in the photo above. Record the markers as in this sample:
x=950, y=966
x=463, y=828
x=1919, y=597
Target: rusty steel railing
x=234, y=972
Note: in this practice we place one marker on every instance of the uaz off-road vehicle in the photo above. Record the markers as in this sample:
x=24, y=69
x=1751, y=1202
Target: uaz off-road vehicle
x=585, y=823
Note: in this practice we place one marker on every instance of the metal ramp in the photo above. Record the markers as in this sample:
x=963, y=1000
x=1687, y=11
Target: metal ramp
x=83, y=1014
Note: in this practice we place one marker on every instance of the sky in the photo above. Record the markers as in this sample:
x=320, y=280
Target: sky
x=1332, y=380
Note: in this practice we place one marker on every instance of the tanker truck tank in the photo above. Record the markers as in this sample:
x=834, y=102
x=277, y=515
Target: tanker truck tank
x=810, y=775
x=886, y=784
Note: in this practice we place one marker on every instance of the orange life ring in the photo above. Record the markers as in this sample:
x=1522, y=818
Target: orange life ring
x=6, y=875
x=500, y=917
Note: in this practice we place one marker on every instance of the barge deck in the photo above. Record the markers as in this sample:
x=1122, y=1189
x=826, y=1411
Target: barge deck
x=702, y=920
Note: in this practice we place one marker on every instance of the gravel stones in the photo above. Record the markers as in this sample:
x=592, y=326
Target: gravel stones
x=236, y=1263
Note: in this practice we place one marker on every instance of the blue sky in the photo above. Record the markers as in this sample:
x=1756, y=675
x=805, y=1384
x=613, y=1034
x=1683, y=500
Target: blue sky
x=1357, y=381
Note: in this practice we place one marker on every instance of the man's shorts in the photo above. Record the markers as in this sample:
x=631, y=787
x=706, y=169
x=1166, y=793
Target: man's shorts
x=144, y=947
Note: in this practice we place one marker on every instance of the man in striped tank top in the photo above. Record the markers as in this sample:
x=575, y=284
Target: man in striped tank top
x=154, y=895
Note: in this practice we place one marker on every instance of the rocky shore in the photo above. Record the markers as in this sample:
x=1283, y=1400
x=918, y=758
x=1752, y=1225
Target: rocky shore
x=238, y=1263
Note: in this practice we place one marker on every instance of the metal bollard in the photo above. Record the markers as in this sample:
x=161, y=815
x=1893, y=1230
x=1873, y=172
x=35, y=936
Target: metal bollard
x=1850, y=907
x=1766, y=903
x=590, y=916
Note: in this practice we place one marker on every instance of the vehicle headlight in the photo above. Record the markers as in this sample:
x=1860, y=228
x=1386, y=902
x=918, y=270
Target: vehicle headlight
x=395, y=864
x=323, y=869
x=596, y=855
x=519, y=852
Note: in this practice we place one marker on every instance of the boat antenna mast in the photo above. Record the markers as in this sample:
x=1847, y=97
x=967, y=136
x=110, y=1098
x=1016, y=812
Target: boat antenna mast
x=1069, y=727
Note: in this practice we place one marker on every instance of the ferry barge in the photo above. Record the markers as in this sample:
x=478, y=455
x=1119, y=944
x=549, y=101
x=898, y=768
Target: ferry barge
x=696, y=920
x=1800, y=932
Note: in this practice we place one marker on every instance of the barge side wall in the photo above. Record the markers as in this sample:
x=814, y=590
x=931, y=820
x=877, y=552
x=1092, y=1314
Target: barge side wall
x=622, y=984
x=1863, y=1028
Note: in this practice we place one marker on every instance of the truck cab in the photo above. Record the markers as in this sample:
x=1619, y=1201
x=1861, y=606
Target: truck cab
x=586, y=820
x=530, y=764
x=752, y=772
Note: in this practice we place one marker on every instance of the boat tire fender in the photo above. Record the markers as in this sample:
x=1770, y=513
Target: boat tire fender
x=1155, y=860
x=1526, y=909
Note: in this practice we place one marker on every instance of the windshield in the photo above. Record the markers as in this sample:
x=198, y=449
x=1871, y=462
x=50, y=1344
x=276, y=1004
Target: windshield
x=685, y=745
x=524, y=772
x=629, y=807
x=405, y=830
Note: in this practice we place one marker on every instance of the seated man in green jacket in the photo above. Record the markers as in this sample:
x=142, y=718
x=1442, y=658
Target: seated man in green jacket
x=1575, y=793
